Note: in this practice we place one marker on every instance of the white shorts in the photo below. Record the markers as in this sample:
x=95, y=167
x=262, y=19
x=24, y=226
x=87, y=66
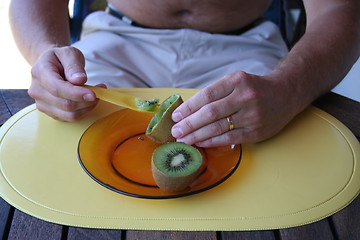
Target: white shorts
x=122, y=55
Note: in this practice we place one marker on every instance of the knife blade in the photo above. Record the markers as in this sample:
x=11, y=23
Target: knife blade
x=124, y=100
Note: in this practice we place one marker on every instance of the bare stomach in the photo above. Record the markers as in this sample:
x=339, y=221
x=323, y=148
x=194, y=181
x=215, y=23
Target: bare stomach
x=205, y=15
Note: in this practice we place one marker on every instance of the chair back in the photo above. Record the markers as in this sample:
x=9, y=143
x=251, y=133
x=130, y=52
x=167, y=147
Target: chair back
x=81, y=9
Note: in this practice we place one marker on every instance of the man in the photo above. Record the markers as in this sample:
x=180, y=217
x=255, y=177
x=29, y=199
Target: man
x=238, y=103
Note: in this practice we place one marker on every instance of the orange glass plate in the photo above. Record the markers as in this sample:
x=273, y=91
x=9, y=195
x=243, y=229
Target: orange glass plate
x=115, y=152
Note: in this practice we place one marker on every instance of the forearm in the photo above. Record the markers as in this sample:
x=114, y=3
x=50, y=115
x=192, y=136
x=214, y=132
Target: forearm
x=38, y=25
x=324, y=55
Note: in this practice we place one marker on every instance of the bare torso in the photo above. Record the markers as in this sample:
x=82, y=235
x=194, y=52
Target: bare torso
x=204, y=15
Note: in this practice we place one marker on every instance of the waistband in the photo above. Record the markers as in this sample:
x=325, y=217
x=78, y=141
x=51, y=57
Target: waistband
x=116, y=13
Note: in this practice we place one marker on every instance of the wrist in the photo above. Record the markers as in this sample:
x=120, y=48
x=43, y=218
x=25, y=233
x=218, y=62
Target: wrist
x=298, y=94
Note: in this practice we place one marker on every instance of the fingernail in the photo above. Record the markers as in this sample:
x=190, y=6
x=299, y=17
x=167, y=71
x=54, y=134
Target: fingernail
x=199, y=144
x=177, y=116
x=177, y=132
x=89, y=97
x=102, y=85
x=78, y=75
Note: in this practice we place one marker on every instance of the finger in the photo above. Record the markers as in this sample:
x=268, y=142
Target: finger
x=69, y=105
x=240, y=135
x=77, y=93
x=73, y=63
x=206, y=115
x=72, y=92
x=209, y=131
x=38, y=93
x=216, y=128
x=102, y=85
x=205, y=96
x=239, y=120
x=52, y=82
x=59, y=114
x=236, y=136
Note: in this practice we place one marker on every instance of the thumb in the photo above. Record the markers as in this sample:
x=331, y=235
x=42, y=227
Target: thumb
x=73, y=62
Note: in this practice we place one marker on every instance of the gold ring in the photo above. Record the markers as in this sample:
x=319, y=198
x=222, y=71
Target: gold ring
x=230, y=122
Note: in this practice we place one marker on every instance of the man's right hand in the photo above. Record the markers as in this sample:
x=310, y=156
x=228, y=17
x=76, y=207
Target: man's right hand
x=56, y=86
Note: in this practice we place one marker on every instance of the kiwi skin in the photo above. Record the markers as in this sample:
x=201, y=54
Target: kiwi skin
x=159, y=128
x=167, y=181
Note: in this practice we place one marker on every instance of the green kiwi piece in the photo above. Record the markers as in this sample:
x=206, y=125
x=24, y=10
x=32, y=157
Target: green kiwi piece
x=147, y=105
x=159, y=127
x=175, y=166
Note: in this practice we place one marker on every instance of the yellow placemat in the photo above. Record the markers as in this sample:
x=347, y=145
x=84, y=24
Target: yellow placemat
x=307, y=172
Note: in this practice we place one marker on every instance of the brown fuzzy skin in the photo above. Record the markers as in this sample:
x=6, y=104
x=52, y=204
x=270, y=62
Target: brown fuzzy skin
x=162, y=131
x=172, y=184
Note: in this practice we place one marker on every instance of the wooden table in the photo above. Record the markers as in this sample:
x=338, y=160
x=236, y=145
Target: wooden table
x=345, y=224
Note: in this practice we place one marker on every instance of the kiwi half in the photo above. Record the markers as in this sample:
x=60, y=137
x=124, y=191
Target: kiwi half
x=175, y=166
x=159, y=128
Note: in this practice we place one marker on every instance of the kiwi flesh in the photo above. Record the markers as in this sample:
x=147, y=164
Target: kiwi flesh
x=175, y=166
x=147, y=105
x=159, y=127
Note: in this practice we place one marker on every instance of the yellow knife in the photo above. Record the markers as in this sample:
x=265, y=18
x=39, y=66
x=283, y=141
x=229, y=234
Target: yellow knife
x=125, y=100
